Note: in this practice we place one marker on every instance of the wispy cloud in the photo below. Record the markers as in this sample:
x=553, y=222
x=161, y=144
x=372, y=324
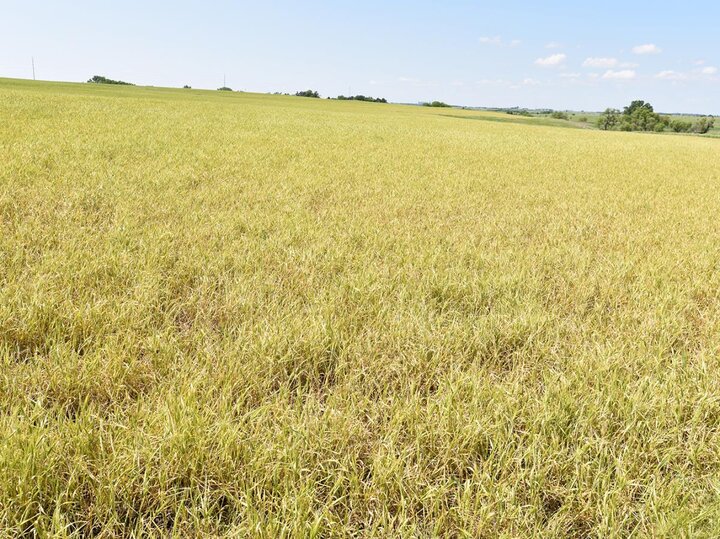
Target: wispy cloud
x=485, y=40
x=649, y=48
x=669, y=74
x=570, y=75
x=554, y=60
x=709, y=70
x=553, y=45
x=530, y=82
x=625, y=74
x=600, y=62
x=491, y=82
x=497, y=41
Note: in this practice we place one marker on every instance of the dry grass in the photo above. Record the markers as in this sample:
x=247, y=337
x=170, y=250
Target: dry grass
x=242, y=315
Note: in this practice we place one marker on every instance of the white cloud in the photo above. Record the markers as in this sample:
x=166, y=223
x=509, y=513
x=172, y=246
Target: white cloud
x=497, y=41
x=570, y=75
x=628, y=65
x=625, y=74
x=553, y=45
x=486, y=82
x=551, y=61
x=670, y=75
x=530, y=82
x=600, y=62
x=649, y=48
x=709, y=70
x=699, y=62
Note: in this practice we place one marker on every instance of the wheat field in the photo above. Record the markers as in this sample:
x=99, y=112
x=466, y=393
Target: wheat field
x=239, y=315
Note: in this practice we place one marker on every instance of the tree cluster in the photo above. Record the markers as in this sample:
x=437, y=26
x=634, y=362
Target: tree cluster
x=362, y=98
x=436, y=104
x=99, y=79
x=225, y=89
x=308, y=93
x=641, y=116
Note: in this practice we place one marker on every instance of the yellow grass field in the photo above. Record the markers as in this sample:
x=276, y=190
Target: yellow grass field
x=239, y=315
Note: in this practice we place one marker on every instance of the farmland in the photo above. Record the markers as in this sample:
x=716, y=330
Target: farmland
x=228, y=314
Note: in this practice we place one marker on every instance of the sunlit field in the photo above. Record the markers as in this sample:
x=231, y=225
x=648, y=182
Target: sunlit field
x=227, y=314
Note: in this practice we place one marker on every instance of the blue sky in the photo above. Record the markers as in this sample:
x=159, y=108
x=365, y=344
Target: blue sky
x=563, y=55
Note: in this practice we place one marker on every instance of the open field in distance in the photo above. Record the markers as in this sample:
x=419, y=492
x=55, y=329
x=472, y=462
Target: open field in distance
x=228, y=314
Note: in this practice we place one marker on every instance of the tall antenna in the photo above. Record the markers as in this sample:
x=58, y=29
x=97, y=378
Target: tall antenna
x=33, y=64
x=224, y=85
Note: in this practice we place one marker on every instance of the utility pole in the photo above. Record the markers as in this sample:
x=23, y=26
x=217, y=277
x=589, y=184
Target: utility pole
x=33, y=65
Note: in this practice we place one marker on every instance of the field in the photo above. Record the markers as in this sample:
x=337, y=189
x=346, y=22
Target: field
x=227, y=314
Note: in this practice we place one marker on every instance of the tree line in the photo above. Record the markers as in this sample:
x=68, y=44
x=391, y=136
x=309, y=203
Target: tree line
x=316, y=95
x=362, y=98
x=99, y=79
x=641, y=116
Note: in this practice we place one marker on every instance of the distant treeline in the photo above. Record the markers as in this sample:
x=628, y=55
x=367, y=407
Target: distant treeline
x=316, y=95
x=641, y=116
x=99, y=79
x=517, y=111
x=362, y=98
x=436, y=104
x=308, y=93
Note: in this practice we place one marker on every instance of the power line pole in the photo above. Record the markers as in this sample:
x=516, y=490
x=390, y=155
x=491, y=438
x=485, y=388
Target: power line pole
x=33, y=65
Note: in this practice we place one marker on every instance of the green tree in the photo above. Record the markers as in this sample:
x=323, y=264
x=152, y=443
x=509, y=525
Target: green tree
x=609, y=119
x=636, y=105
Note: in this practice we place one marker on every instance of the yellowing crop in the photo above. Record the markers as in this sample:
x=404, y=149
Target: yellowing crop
x=229, y=314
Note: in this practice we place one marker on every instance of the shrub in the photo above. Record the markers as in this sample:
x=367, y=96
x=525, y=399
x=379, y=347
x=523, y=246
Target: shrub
x=681, y=126
x=436, y=104
x=558, y=115
x=703, y=125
